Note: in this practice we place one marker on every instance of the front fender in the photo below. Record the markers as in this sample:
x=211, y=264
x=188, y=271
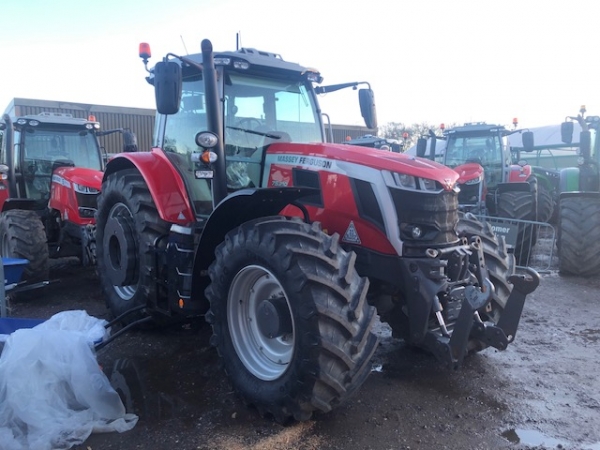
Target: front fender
x=235, y=209
x=163, y=180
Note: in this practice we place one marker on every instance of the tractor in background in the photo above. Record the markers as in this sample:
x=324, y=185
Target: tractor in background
x=579, y=205
x=51, y=167
x=289, y=246
x=493, y=179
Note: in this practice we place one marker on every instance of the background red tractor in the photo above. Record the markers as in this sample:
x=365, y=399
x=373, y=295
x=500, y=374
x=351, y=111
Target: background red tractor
x=494, y=181
x=50, y=175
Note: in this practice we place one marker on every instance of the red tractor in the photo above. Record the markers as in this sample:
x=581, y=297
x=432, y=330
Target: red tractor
x=287, y=245
x=50, y=175
x=493, y=179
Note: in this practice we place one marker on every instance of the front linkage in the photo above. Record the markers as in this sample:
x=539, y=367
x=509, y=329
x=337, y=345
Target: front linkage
x=450, y=339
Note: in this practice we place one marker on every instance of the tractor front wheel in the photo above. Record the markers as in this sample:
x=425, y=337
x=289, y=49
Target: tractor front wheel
x=22, y=235
x=290, y=318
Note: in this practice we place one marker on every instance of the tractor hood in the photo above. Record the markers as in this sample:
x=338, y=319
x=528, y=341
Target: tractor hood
x=469, y=172
x=326, y=155
x=67, y=176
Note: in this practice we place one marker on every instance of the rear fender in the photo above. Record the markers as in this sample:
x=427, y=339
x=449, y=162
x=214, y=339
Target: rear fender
x=163, y=180
x=569, y=180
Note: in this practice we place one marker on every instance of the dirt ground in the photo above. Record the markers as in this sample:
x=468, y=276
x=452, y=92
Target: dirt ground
x=542, y=392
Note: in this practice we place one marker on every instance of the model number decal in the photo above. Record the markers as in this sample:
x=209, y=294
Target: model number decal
x=305, y=161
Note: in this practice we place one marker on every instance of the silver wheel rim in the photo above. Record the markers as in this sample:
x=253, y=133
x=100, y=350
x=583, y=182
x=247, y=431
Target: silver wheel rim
x=266, y=358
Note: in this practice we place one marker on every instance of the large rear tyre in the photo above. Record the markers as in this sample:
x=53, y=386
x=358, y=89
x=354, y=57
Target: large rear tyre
x=128, y=226
x=290, y=318
x=579, y=236
x=520, y=205
x=22, y=235
x=545, y=205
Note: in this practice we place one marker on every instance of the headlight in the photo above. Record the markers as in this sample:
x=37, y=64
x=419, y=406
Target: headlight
x=415, y=183
x=206, y=139
x=85, y=189
x=477, y=180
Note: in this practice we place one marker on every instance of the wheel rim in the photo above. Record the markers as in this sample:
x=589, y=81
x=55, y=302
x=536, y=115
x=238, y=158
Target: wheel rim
x=266, y=358
x=113, y=249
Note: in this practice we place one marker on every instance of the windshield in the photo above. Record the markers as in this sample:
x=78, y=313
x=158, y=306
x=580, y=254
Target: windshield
x=485, y=150
x=257, y=112
x=39, y=146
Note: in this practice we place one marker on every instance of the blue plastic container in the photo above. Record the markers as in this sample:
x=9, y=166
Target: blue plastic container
x=13, y=269
x=9, y=325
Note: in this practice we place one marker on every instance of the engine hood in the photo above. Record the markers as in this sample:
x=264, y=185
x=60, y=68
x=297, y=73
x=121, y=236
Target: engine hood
x=468, y=172
x=79, y=175
x=373, y=158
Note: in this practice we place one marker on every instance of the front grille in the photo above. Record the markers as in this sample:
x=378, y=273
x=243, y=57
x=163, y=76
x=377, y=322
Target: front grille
x=434, y=213
x=87, y=200
x=469, y=194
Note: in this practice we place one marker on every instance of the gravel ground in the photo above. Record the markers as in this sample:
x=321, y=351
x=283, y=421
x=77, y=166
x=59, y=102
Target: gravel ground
x=542, y=392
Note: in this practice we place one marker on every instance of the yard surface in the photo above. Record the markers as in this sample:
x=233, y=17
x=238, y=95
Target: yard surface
x=542, y=392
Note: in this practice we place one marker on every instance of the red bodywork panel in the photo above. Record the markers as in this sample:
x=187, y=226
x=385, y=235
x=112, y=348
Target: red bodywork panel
x=518, y=174
x=333, y=162
x=165, y=184
x=3, y=193
x=62, y=191
x=468, y=172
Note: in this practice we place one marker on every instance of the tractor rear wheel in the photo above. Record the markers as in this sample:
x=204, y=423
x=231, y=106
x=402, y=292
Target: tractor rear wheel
x=520, y=205
x=579, y=236
x=545, y=205
x=22, y=235
x=290, y=318
x=128, y=225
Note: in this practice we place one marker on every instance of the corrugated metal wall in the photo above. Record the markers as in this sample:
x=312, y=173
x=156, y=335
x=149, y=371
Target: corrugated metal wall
x=138, y=120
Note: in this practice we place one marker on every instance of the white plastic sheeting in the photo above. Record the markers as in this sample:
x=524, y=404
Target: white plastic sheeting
x=53, y=394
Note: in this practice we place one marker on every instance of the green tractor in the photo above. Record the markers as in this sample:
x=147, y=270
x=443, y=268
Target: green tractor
x=579, y=201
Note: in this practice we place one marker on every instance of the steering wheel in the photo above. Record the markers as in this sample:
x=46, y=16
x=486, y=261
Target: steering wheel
x=241, y=132
x=247, y=122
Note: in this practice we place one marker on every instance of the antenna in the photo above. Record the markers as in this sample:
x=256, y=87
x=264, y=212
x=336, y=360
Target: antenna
x=238, y=40
x=184, y=47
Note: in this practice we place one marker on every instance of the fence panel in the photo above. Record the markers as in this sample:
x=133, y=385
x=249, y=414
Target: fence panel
x=533, y=243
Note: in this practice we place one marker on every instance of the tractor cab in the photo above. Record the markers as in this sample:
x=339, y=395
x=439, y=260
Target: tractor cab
x=34, y=146
x=263, y=101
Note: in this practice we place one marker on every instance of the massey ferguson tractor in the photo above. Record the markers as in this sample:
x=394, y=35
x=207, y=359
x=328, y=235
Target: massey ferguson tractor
x=494, y=182
x=579, y=211
x=50, y=175
x=289, y=246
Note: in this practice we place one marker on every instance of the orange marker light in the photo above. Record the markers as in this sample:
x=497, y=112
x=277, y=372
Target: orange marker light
x=92, y=118
x=144, y=51
x=181, y=303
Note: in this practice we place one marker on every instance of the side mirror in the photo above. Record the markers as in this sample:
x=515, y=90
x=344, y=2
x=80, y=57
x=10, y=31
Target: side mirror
x=585, y=145
x=366, y=98
x=167, y=87
x=421, y=147
x=527, y=139
x=566, y=132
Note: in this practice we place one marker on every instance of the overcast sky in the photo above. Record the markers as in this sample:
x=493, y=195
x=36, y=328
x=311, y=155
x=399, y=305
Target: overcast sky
x=428, y=61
